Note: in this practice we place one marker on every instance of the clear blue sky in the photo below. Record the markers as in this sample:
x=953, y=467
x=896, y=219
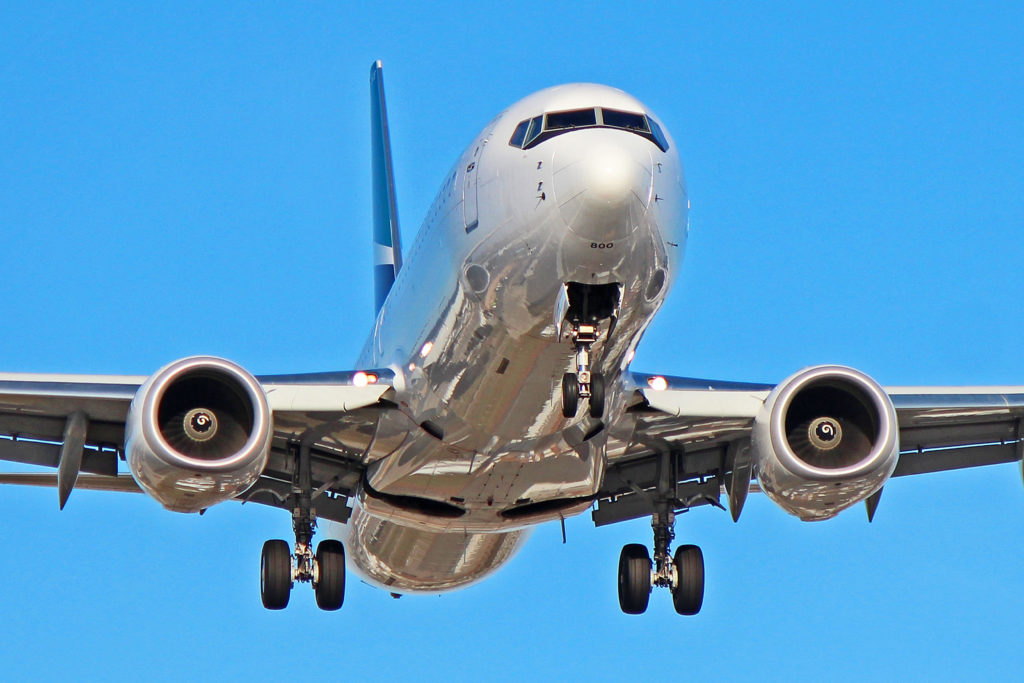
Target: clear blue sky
x=184, y=178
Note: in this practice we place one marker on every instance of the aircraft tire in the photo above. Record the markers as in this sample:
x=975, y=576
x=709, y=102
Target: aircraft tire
x=596, y=395
x=634, y=579
x=275, y=574
x=688, y=595
x=330, y=586
x=570, y=394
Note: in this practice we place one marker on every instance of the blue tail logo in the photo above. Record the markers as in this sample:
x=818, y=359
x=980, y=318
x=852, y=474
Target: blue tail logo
x=387, y=242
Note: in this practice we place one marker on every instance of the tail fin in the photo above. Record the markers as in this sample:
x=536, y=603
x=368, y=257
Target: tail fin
x=387, y=243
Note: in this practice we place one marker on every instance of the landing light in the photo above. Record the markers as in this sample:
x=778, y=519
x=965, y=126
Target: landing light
x=361, y=379
x=657, y=383
x=426, y=349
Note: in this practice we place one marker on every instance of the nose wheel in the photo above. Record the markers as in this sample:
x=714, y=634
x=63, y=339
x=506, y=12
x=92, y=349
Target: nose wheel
x=583, y=383
x=570, y=394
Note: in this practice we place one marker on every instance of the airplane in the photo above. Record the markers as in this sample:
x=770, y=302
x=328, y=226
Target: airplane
x=494, y=392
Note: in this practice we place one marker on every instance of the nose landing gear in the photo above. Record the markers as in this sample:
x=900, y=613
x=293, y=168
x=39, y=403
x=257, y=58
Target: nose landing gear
x=583, y=383
x=583, y=307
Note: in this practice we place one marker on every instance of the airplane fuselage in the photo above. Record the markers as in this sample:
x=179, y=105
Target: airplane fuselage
x=474, y=329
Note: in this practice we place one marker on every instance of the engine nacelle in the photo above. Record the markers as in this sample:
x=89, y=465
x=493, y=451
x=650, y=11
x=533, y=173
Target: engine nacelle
x=198, y=433
x=826, y=439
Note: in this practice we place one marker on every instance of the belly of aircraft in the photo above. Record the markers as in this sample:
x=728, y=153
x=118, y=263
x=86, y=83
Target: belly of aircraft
x=490, y=442
x=407, y=559
x=455, y=500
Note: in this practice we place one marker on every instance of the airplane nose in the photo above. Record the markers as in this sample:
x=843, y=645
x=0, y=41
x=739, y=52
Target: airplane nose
x=602, y=190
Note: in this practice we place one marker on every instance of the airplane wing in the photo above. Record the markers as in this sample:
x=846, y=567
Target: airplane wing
x=335, y=415
x=704, y=427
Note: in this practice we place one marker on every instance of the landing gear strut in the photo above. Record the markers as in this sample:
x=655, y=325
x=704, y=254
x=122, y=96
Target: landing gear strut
x=683, y=574
x=583, y=383
x=325, y=570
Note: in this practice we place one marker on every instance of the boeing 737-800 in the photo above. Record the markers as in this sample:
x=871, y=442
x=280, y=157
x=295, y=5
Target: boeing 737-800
x=494, y=392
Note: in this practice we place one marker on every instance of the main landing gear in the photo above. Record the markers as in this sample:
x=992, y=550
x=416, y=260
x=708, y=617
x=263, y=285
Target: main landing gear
x=280, y=569
x=583, y=383
x=682, y=574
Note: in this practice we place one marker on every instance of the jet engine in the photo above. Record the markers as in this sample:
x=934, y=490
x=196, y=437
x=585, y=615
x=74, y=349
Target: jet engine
x=826, y=439
x=198, y=433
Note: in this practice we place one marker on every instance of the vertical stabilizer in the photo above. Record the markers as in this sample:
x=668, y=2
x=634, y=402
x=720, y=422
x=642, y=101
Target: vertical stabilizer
x=387, y=243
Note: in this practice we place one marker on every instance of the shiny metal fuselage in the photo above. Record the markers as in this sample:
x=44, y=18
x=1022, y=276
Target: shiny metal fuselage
x=478, y=450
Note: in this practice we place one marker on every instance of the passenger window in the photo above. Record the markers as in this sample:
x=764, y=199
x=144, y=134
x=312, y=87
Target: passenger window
x=560, y=120
x=626, y=120
x=520, y=134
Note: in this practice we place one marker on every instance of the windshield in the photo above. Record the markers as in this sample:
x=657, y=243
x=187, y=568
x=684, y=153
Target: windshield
x=531, y=132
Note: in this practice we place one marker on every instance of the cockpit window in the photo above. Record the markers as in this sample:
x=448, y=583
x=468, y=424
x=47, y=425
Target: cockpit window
x=519, y=136
x=532, y=132
x=625, y=119
x=560, y=120
x=659, y=136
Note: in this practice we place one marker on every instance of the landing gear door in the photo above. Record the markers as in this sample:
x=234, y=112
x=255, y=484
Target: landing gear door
x=561, y=309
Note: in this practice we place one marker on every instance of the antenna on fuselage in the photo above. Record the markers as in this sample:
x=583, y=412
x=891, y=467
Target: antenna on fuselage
x=387, y=242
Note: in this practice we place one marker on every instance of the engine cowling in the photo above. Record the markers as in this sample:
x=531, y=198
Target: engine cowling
x=198, y=433
x=826, y=439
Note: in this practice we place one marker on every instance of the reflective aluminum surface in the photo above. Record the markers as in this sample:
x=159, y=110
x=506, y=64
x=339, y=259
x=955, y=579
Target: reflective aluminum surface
x=813, y=492
x=190, y=484
x=470, y=331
